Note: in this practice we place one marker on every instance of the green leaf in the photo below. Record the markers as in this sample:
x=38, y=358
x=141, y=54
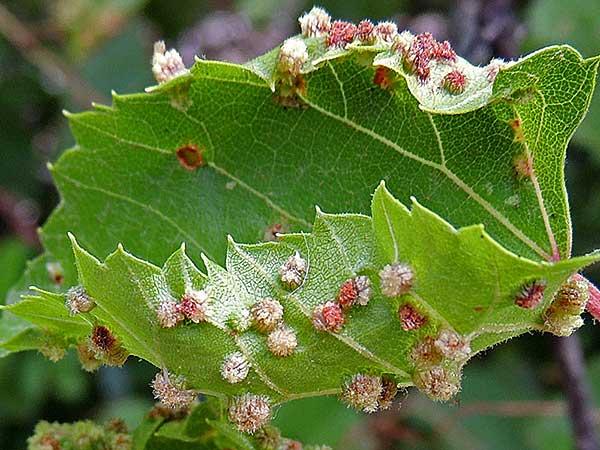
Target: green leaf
x=125, y=176
x=464, y=282
x=268, y=164
x=580, y=27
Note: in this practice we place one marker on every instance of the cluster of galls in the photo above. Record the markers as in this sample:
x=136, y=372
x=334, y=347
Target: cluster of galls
x=193, y=306
x=80, y=435
x=438, y=363
x=101, y=347
x=563, y=316
x=339, y=33
x=330, y=316
x=166, y=65
x=369, y=393
x=267, y=317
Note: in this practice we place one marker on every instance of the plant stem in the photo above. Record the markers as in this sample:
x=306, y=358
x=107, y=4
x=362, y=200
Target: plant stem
x=581, y=409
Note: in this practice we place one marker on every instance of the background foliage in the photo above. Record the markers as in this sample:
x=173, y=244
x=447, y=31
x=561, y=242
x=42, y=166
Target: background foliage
x=72, y=52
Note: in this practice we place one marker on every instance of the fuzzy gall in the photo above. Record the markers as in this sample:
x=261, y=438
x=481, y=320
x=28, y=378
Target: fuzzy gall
x=266, y=314
x=396, y=279
x=292, y=271
x=250, y=412
x=328, y=317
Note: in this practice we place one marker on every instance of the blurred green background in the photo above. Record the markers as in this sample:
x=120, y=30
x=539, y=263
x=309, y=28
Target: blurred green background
x=64, y=54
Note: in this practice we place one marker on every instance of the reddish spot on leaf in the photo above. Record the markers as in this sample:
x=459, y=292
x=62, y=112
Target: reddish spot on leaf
x=190, y=156
x=410, y=318
x=478, y=309
x=382, y=77
x=523, y=166
x=517, y=127
x=531, y=294
x=341, y=33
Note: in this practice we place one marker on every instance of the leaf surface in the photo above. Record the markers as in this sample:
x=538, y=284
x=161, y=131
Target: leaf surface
x=267, y=165
x=464, y=282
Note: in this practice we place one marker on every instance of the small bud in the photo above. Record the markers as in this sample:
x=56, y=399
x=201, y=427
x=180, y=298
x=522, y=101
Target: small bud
x=386, y=31
x=341, y=34
x=235, y=368
x=410, y=317
x=78, y=301
x=451, y=345
x=194, y=306
x=362, y=392
x=250, y=412
x=266, y=314
x=396, y=279
x=170, y=390
x=365, y=32
x=166, y=65
x=315, y=23
x=169, y=314
x=292, y=272
x=438, y=383
x=282, y=341
x=531, y=294
x=328, y=317
x=455, y=82
x=292, y=56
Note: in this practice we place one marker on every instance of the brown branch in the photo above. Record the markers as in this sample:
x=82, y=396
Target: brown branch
x=57, y=71
x=570, y=358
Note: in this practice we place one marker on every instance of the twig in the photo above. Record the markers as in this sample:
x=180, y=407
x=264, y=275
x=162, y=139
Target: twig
x=593, y=304
x=570, y=358
x=51, y=65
